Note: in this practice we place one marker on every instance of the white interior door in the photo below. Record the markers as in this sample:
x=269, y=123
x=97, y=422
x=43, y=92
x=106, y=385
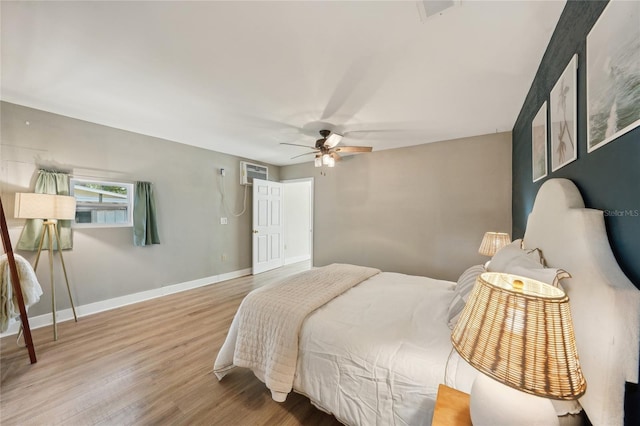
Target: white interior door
x=298, y=220
x=268, y=239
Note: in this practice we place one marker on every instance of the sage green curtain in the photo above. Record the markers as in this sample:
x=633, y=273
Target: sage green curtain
x=48, y=182
x=145, y=229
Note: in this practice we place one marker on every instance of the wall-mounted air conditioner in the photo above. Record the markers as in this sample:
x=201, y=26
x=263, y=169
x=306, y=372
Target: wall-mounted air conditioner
x=250, y=171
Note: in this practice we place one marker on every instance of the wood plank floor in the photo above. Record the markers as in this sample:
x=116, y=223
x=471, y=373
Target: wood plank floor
x=145, y=364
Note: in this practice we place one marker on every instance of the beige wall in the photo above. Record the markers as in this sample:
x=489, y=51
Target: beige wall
x=104, y=263
x=419, y=210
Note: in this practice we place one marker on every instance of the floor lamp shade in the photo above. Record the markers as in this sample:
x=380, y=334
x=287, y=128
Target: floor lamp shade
x=519, y=332
x=44, y=206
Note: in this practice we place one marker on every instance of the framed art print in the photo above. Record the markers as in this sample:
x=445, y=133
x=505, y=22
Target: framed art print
x=539, y=144
x=613, y=73
x=563, y=108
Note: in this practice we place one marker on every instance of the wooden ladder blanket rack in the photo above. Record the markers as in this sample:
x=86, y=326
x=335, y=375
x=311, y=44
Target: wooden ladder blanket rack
x=17, y=288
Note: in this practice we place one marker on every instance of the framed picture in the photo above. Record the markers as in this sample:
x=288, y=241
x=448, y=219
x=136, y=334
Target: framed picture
x=539, y=143
x=563, y=112
x=613, y=73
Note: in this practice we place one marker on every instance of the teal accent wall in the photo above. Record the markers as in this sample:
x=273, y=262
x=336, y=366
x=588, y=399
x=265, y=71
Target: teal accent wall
x=608, y=178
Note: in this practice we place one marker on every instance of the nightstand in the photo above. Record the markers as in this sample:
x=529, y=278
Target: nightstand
x=452, y=408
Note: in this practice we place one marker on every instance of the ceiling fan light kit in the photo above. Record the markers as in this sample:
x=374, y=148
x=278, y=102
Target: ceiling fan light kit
x=324, y=160
x=326, y=149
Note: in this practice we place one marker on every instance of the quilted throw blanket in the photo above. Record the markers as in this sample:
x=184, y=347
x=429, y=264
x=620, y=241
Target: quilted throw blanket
x=264, y=333
x=31, y=290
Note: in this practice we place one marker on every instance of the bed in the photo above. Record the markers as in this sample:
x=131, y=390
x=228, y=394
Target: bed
x=376, y=352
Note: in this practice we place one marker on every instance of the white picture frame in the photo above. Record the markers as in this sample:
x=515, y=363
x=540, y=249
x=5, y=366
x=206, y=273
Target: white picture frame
x=539, y=144
x=613, y=64
x=563, y=117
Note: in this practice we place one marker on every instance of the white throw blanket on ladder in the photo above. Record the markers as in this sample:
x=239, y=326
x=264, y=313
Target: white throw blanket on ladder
x=264, y=333
x=31, y=290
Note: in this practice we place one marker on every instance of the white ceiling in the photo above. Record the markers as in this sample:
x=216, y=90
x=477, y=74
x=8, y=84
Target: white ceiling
x=241, y=77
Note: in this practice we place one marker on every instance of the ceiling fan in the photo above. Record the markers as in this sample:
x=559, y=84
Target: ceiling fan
x=326, y=150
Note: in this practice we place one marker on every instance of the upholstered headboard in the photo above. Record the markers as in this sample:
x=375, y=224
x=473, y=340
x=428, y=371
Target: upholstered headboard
x=605, y=305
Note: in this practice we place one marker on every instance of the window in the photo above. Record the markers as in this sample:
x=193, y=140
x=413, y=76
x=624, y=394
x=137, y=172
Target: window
x=102, y=204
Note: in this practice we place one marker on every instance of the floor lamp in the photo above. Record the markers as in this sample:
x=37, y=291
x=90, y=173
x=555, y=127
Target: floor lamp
x=50, y=208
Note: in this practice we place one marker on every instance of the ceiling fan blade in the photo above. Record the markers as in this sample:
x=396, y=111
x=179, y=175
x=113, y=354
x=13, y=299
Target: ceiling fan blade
x=296, y=144
x=261, y=122
x=361, y=80
x=376, y=131
x=409, y=132
x=302, y=155
x=333, y=140
x=335, y=156
x=353, y=149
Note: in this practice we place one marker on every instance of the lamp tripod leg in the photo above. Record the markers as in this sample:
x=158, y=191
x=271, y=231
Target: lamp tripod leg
x=35, y=265
x=64, y=268
x=53, y=287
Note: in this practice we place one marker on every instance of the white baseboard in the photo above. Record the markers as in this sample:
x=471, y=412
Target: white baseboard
x=117, y=302
x=290, y=260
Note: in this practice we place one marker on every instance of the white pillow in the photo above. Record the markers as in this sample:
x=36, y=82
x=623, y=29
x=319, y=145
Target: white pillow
x=528, y=263
x=550, y=276
x=462, y=290
x=512, y=255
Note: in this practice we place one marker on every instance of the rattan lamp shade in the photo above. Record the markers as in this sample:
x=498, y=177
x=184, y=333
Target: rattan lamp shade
x=44, y=206
x=522, y=338
x=492, y=242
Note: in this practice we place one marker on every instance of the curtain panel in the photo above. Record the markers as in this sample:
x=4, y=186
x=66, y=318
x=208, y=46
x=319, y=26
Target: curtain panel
x=145, y=229
x=48, y=182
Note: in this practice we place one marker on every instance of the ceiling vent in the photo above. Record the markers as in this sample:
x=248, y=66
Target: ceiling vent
x=428, y=8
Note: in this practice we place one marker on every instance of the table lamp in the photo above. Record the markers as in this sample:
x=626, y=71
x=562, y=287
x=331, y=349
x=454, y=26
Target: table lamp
x=50, y=208
x=492, y=242
x=518, y=333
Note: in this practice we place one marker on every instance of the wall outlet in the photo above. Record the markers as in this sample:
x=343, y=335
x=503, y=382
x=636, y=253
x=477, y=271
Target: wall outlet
x=223, y=257
x=223, y=221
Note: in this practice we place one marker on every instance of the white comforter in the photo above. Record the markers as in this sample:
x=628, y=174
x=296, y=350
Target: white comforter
x=376, y=354
x=264, y=332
